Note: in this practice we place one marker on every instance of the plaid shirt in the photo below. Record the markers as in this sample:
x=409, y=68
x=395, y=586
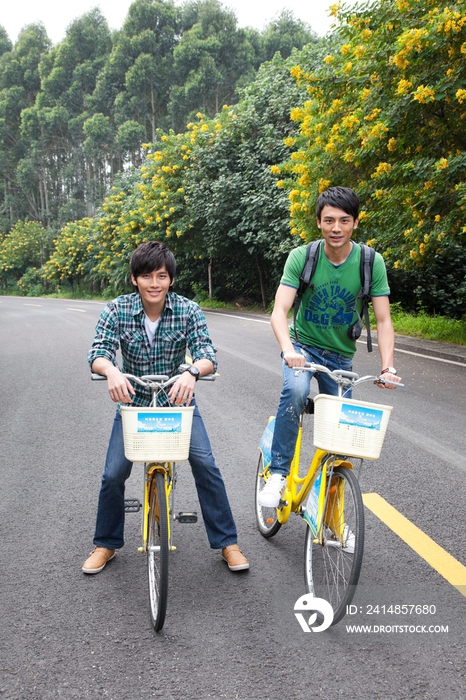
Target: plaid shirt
x=182, y=327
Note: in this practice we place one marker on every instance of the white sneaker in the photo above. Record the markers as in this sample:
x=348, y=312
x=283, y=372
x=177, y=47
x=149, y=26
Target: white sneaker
x=274, y=487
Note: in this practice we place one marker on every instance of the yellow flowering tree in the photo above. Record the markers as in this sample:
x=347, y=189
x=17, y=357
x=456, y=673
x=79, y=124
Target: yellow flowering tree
x=73, y=248
x=23, y=250
x=386, y=115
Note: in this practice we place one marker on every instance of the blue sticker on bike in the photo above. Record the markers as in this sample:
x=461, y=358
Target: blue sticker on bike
x=265, y=444
x=159, y=422
x=360, y=416
x=312, y=506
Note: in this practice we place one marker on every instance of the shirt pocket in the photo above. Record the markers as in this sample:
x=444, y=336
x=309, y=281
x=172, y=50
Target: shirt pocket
x=174, y=340
x=133, y=346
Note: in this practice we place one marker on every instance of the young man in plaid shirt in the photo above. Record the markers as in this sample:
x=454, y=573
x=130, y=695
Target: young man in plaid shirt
x=154, y=327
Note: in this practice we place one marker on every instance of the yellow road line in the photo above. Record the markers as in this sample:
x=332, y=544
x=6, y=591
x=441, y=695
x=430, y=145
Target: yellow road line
x=446, y=565
x=32, y=304
x=81, y=311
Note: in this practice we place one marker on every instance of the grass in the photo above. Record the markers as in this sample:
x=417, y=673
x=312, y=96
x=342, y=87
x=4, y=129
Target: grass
x=440, y=328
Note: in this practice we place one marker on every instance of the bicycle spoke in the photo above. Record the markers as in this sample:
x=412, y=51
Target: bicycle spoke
x=333, y=564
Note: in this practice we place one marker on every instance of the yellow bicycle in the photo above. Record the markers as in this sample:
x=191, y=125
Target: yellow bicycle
x=328, y=497
x=158, y=437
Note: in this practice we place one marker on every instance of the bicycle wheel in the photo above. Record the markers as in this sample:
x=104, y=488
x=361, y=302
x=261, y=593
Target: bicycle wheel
x=266, y=517
x=332, y=567
x=157, y=551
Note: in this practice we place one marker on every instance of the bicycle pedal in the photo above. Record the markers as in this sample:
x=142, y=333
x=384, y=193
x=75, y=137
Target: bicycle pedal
x=187, y=517
x=132, y=505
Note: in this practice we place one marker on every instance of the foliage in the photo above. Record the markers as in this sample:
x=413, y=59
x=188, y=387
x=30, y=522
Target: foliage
x=72, y=249
x=386, y=115
x=74, y=115
x=27, y=246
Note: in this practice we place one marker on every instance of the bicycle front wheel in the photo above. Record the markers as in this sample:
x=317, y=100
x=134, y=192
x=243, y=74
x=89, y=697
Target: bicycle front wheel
x=267, y=521
x=157, y=551
x=333, y=561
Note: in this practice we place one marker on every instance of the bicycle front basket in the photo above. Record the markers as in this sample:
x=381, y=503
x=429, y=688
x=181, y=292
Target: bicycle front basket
x=157, y=434
x=350, y=427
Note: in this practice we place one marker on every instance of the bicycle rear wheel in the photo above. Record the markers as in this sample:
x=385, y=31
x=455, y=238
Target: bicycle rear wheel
x=266, y=517
x=157, y=551
x=332, y=567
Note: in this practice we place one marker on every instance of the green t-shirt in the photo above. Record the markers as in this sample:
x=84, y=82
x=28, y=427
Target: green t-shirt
x=325, y=313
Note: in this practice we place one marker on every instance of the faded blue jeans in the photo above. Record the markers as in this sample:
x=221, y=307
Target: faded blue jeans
x=213, y=499
x=296, y=387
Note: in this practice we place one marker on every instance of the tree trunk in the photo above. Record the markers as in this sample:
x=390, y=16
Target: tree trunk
x=209, y=274
x=262, y=283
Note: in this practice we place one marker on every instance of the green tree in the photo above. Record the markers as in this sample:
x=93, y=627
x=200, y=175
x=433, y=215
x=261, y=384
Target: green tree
x=385, y=115
x=284, y=34
x=134, y=84
x=19, y=85
x=26, y=246
x=212, y=59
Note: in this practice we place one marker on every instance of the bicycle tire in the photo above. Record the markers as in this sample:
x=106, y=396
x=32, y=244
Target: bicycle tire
x=266, y=518
x=331, y=571
x=157, y=551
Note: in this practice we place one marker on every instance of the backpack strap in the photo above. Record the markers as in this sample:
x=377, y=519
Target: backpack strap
x=310, y=264
x=367, y=263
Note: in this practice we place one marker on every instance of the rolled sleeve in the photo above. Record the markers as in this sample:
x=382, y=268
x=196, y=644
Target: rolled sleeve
x=106, y=339
x=199, y=341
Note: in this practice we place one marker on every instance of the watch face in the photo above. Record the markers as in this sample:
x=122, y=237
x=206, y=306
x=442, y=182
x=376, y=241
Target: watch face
x=194, y=371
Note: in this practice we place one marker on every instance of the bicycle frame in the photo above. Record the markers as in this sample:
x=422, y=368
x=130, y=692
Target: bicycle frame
x=298, y=488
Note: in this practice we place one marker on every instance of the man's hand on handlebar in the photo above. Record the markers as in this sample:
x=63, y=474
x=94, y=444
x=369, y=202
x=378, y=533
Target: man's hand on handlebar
x=294, y=359
x=119, y=388
x=183, y=389
x=388, y=381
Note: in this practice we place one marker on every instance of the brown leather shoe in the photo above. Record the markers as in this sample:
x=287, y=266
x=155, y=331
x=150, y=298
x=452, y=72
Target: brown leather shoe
x=235, y=558
x=96, y=562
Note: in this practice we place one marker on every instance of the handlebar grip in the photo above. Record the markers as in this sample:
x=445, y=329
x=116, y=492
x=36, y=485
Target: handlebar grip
x=98, y=377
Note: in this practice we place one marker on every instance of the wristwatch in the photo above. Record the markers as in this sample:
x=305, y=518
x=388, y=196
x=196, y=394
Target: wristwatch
x=193, y=371
x=390, y=370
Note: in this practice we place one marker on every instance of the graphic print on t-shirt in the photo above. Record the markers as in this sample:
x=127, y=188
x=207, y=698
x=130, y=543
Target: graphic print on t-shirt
x=330, y=306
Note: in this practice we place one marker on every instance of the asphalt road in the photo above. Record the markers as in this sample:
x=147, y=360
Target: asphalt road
x=67, y=635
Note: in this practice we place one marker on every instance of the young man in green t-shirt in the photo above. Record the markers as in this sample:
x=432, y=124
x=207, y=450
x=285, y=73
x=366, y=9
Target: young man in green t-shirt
x=324, y=317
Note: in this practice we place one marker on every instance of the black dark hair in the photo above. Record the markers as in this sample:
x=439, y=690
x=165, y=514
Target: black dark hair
x=341, y=197
x=151, y=256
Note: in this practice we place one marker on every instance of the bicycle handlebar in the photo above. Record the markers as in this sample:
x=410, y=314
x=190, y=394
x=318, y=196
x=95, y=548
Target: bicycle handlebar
x=344, y=377
x=153, y=381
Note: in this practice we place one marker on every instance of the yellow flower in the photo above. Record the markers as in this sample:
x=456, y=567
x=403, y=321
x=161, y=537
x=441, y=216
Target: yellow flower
x=424, y=94
x=345, y=49
x=382, y=169
x=437, y=217
x=461, y=96
x=328, y=59
x=403, y=87
x=441, y=164
x=323, y=185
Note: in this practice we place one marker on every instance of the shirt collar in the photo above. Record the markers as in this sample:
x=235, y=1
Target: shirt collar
x=139, y=309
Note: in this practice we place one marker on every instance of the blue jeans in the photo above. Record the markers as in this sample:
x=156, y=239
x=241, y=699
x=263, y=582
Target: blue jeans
x=296, y=387
x=215, y=507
